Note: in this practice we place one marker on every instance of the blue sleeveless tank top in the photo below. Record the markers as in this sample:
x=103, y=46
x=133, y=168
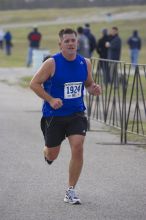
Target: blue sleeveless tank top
x=67, y=83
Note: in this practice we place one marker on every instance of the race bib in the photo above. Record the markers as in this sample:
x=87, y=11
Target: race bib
x=72, y=90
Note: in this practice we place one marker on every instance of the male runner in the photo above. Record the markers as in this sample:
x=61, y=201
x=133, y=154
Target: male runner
x=60, y=83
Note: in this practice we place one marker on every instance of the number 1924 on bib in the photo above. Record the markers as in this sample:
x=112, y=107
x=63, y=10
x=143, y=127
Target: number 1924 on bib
x=72, y=90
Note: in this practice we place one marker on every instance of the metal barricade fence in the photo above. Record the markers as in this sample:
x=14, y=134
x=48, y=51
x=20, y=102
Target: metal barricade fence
x=120, y=83
x=135, y=100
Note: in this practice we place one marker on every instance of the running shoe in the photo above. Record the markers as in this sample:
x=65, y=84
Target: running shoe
x=70, y=197
x=48, y=161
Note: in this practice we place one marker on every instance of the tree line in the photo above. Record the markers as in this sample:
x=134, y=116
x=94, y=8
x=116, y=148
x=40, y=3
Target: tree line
x=34, y=4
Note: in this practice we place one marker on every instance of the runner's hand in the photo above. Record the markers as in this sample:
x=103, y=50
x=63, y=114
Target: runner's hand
x=56, y=103
x=94, y=89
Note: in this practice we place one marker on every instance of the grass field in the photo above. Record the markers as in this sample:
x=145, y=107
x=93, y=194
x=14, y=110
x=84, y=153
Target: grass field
x=50, y=31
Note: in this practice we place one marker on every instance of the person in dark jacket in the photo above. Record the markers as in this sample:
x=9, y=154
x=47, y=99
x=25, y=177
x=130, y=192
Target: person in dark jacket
x=114, y=45
x=83, y=43
x=114, y=52
x=34, y=39
x=102, y=51
x=91, y=38
x=134, y=43
x=8, y=42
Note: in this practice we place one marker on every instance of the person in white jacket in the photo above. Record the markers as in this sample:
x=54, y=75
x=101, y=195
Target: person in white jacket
x=1, y=38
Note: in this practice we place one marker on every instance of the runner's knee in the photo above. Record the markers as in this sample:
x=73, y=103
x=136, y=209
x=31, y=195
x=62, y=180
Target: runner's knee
x=51, y=153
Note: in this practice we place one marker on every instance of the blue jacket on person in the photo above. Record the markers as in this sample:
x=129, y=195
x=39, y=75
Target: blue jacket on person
x=134, y=41
x=8, y=37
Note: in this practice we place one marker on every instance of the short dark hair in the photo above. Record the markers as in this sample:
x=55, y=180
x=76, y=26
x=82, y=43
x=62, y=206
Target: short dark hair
x=80, y=30
x=115, y=28
x=67, y=31
x=87, y=25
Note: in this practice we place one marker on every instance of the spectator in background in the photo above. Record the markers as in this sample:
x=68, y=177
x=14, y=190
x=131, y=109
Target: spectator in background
x=8, y=42
x=2, y=34
x=91, y=38
x=114, y=45
x=134, y=43
x=114, y=52
x=102, y=51
x=34, y=39
x=83, y=43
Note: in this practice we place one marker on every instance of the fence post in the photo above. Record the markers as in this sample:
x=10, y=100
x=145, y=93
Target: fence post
x=123, y=120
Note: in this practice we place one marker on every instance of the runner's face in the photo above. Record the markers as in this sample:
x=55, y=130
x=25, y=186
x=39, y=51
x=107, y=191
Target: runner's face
x=68, y=44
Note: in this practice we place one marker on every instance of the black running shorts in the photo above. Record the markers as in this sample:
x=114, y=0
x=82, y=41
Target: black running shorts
x=56, y=128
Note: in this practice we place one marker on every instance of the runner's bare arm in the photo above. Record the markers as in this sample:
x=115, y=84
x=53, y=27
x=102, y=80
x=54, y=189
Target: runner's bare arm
x=46, y=71
x=91, y=86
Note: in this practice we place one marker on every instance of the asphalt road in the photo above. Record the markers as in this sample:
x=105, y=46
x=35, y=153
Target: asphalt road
x=113, y=181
